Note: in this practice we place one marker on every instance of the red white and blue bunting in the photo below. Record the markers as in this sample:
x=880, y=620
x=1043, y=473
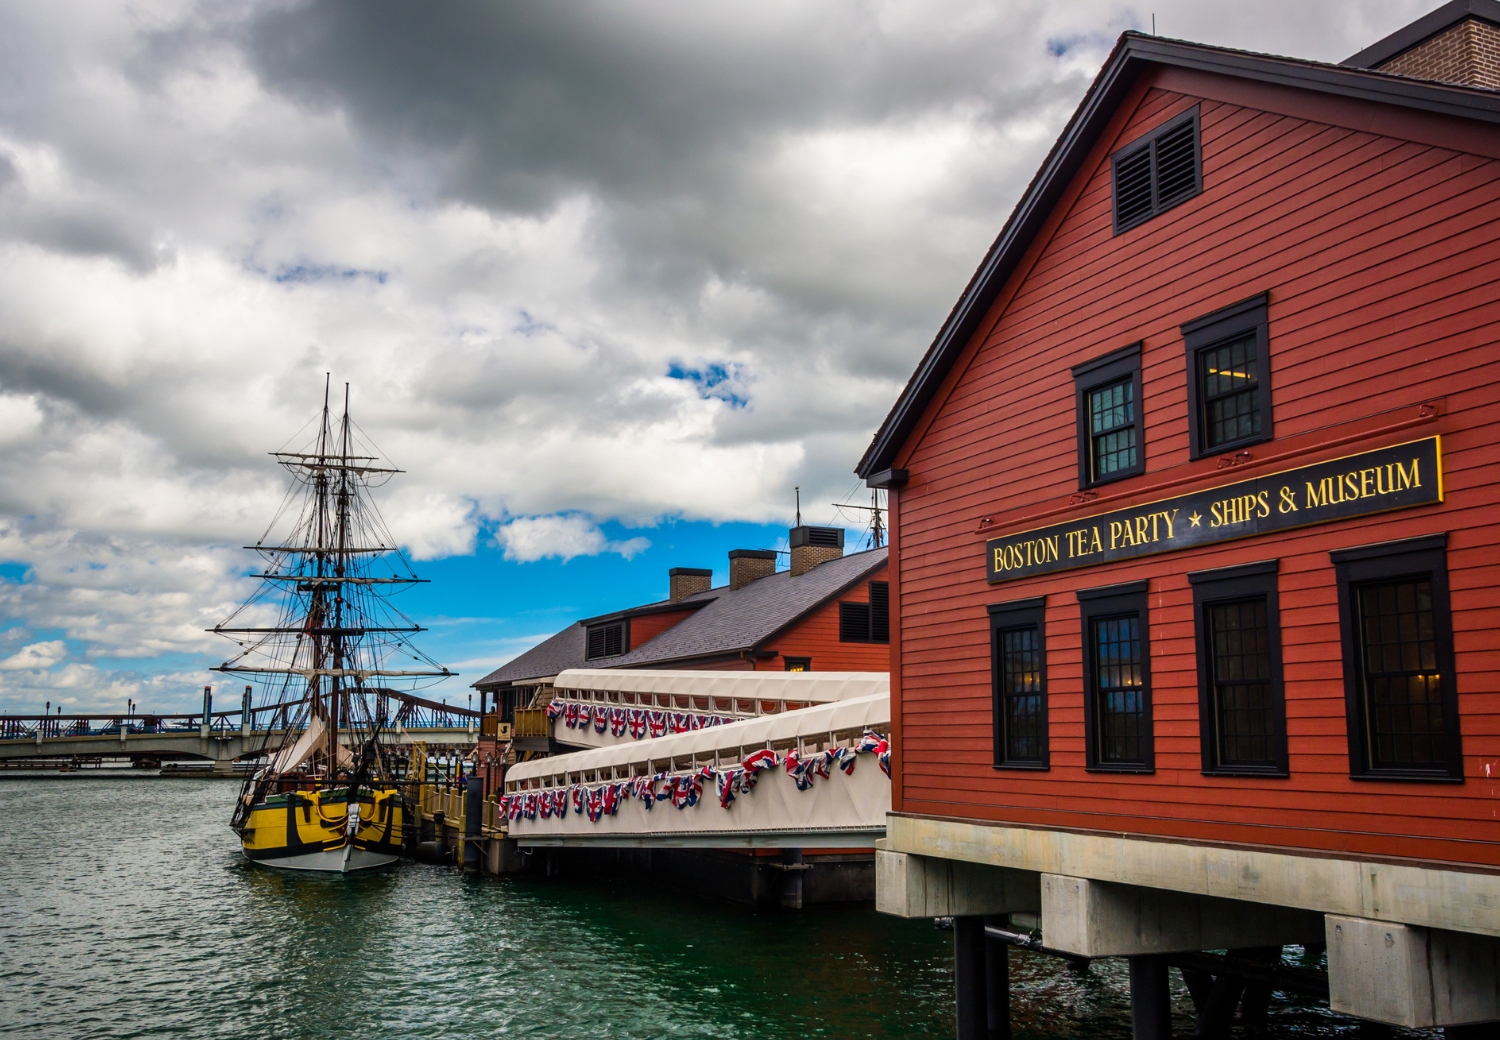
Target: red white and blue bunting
x=638, y=722
x=684, y=790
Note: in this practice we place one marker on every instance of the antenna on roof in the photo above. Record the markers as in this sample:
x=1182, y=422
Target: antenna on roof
x=1153, y=23
x=798, y=492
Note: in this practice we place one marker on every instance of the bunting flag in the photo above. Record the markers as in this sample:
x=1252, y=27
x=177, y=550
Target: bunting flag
x=570, y=714
x=593, y=802
x=684, y=790
x=637, y=723
x=618, y=718
x=554, y=710
x=656, y=722
x=585, y=715
x=678, y=722
x=728, y=780
x=601, y=718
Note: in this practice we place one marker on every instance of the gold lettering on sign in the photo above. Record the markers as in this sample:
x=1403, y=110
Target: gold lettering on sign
x=1021, y=555
x=1240, y=509
x=1370, y=482
x=1147, y=529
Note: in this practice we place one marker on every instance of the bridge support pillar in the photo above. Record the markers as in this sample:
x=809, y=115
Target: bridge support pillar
x=791, y=882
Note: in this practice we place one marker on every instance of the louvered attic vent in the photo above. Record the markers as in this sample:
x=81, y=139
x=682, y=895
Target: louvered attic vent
x=1156, y=173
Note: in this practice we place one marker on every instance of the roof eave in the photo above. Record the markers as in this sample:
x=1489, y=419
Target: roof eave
x=1132, y=54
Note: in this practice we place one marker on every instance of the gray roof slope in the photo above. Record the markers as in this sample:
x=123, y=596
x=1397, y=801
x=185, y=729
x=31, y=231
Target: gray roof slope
x=550, y=656
x=1133, y=55
x=731, y=621
x=746, y=617
x=1424, y=28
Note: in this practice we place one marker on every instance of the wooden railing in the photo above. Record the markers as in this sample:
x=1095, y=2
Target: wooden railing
x=531, y=722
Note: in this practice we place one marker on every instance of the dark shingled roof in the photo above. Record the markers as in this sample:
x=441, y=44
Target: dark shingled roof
x=729, y=621
x=747, y=617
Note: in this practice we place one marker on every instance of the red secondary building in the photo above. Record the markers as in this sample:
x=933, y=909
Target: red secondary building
x=1194, y=533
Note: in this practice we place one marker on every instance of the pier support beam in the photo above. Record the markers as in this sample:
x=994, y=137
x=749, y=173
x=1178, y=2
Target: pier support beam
x=997, y=981
x=1150, y=998
x=1406, y=975
x=924, y=886
x=970, y=974
x=1103, y=919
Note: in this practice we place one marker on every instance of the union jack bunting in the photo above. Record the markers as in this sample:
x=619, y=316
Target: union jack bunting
x=763, y=759
x=610, y=798
x=544, y=805
x=680, y=723
x=570, y=715
x=637, y=723
x=656, y=722
x=686, y=789
x=554, y=710
x=585, y=715
x=593, y=803
x=576, y=793
x=530, y=809
x=644, y=788
x=601, y=718
x=846, y=757
x=728, y=780
x=884, y=758
x=618, y=717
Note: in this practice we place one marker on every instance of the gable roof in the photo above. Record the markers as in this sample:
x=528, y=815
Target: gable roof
x=725, y=621
x=1133, y=55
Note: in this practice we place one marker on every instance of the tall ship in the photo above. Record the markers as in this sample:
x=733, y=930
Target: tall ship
x=335, y=659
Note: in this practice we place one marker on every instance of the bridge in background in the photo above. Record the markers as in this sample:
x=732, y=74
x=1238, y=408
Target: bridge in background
x=220, y=737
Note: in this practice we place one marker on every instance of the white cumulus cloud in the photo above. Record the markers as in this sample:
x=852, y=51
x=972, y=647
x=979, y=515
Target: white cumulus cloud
x=530, y=538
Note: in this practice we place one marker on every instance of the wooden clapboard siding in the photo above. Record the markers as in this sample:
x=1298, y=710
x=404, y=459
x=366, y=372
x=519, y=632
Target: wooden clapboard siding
x=646, y=627
x=1381, y=254
x=817, y=636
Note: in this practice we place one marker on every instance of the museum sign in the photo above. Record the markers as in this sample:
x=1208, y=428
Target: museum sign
x=1371, y=482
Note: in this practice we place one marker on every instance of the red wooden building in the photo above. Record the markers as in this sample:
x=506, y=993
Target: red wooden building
x=1194, y=542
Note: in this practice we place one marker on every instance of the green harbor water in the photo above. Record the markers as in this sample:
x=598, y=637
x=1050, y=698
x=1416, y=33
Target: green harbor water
x=127, y=911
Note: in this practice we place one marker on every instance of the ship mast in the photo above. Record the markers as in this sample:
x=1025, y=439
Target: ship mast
x=336, y=627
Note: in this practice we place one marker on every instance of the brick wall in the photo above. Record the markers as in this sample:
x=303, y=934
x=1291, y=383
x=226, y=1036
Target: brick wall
x=1468, y=52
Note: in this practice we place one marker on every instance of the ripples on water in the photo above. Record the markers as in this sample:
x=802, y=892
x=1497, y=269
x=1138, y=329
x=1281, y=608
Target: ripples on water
x=127, y=911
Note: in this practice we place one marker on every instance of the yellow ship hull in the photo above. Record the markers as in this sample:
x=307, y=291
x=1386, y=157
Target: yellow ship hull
x=315, y=830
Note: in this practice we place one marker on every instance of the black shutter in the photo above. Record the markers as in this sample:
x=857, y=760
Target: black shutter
x=1133, y=187
x=880, y=611
x=1176, y=165
x=1155, y=173
x=605, y=641
x=854, y=622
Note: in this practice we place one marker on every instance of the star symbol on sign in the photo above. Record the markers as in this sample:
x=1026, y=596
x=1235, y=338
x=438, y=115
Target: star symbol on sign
x=1195, y=518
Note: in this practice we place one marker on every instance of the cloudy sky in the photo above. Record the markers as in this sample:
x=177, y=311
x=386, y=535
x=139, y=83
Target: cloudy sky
x=608, y=280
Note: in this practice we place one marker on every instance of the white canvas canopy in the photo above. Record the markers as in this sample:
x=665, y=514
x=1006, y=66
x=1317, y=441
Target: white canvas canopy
x=816, y=687
x=725, y=742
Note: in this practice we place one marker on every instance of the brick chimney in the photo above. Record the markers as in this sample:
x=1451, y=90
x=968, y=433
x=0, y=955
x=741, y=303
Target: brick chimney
x=747, y=565
x=814, y=545
x=688, y=581
x=1458, y=42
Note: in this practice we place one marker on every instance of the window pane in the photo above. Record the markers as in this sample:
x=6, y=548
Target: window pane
x=1112, y=428
x=1398, y=661
x=1119, y=690
x=1021, y=694
x=1231, y=392
x=1239, y=663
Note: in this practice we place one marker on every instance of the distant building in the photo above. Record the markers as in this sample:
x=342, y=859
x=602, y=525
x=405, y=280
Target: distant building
x=1194, y=543
x=828, y=612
